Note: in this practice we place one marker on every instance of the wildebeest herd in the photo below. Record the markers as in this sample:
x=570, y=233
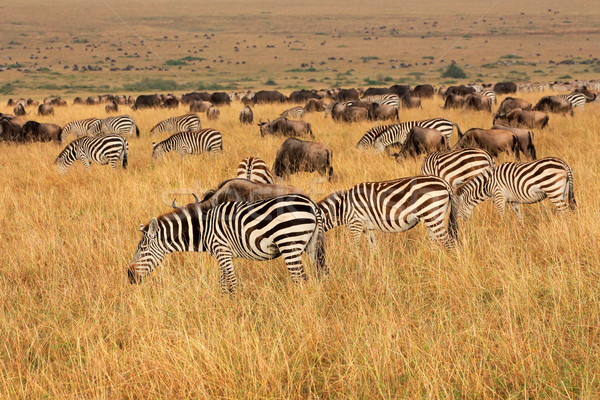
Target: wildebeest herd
x=257, y=217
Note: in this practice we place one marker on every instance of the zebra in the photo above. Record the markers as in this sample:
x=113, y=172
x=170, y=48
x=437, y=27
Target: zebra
x=457, y=166
x=491, y=94
x=108, y=149
x=575, y=99
x=257, y=230
x=182, y=123
x=195, y=142
x=389, y=99
x=294, y=112
x=120, y=125
x=82, y=127
x=396, y=134
x=520, y=183
x=255, y=169
x=394, y=206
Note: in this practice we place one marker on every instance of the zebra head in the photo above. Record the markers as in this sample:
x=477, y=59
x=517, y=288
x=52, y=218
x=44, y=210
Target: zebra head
x=66, y=158
x=473, y=192
x=157, y=150
x=149, y=253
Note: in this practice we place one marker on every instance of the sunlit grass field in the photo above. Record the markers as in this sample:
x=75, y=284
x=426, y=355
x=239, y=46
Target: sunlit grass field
x=511, y=313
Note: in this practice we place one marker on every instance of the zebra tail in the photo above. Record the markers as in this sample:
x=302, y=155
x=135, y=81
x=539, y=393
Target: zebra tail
x=137, y=131
x=329, y=166
x=515, y=148
x=124, y=155
x=310, y=130
x=531, y=147
x=460, y=134
x=315, y=248
x=572, y=202
x=453, y=220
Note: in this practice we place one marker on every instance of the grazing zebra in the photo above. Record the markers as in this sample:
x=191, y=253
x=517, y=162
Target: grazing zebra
x=256, y=230
x=195, y=142
x=394, y=206
x=457, y=166
x=491, y=94
x=380, y=138
x=182, y=123
x=82, y=127
x=108, y=149
x=389, y=99
x=294, y=112
x=520, y=183
x=255, y=169
x=575, y=99
x=120, y=125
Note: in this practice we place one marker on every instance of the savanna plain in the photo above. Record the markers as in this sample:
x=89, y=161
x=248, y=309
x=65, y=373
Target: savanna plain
x=512, y=312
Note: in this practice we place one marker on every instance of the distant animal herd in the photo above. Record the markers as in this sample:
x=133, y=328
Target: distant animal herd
x=254, y=216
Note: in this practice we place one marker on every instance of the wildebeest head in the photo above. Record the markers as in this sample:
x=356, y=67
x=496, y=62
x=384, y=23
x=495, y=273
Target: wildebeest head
x=266, y=128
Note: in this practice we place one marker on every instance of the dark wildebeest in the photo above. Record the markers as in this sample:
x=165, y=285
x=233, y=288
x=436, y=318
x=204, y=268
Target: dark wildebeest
x=347, y=94
x=554, y=104
x=111, y=107
x=78, y=100
x=19, y=110
x=422, y=140
x=523, y=119
x=314, y=105
x=380, y=112
x=220, y=99
x=510, y=103
x=423, y=91
x=246, y=115
x=461, y=90
x=31, y=102
x=9, y=131
x=212, y=113
x=494, y=141
x=147, y=101
x=525, y=138
x=589, y=95
x=400, y=90
x=200, y=106
x=505, y=87
x=285, y=127
x=45, y=109
x=301, y=96
x=239, y=189
x=454, y=101
x=170, y=102
x=37, y=132
x=268, y=96
x=296, y=155
x=477, y=102
x=195, y=96
x=374, y=91
x=409, y=101
x=59, y=102
x=355, y=114
x=92, y=100
x=336, y=110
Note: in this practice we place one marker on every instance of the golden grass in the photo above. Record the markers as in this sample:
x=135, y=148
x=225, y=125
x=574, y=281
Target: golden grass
x=512, y=313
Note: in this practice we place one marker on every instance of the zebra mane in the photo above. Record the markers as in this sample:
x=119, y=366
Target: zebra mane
x=338, y=194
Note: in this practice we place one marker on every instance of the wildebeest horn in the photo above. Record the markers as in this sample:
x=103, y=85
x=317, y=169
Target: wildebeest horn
x=173, y=204
x=196, y=198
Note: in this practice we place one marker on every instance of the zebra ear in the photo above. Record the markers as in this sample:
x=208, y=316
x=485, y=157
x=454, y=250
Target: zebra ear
x=142, y=227
x=153, y=145
x=153, y=227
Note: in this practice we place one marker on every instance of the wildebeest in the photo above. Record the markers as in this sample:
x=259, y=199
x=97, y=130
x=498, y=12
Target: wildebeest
x=373, y=91
x=239, y=189
x=285, y=127
x=45, y=109
x=170, y=102
x=423, y=91
x=380, y=112
x=246, y=115
x=35, y=131
x=19, y=110
x=111, y=107
x=400, y=90
x=212, y=113
x=189, y=98
x=297, y=155
x=92, y=100
x=523, y=118
x=461, y=90
x=336, y=110
x=268, y=96
x=9, y=131
x=347, y=94
x=58, y=102
x=589, y=95
x=220, y=98
x=147, y=101
x=477, y=102
x=494, y=141
x=409, y=101
x=554, y=104
x=454, y=101
x=78, y=100
x=314, y=105
x=525, y=138
x=423, y=140
x=200, y=106
x=511, y=103
x=355, y=114
x=505, y=87
x=301, y=96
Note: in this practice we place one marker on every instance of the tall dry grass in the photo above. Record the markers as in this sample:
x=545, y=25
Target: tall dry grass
x=512, y=313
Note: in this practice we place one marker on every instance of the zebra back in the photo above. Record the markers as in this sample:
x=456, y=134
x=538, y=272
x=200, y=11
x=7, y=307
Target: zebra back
x=457, y=166
x=120, y=125
x=182, y=123
x=255, y=169
x=108, y=149
x=397, y=134
x=82, y=127
x=294, y=112
x=194, y=142
x=388, y=99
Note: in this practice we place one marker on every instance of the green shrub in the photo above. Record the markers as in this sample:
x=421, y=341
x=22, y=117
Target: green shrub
x=454, y=71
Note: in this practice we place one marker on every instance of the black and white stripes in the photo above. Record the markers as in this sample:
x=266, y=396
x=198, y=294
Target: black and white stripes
x=260, y=230
x=109, y=149
x=82, y=127
x=182, y=123
x=457, y=166
x=195, y=142
x=120, y=125
x=575, y=99
x=388, y=99
x=255, y=169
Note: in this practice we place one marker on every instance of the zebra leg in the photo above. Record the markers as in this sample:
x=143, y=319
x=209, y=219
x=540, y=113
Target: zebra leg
x=559, y=198
x=113, y=162
x=293, y=262
x=228, y=281
x=372, y=239
x=436, y=228
x=356, y=229
x=517, y=209
x=85, y=162
x=500, y=202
